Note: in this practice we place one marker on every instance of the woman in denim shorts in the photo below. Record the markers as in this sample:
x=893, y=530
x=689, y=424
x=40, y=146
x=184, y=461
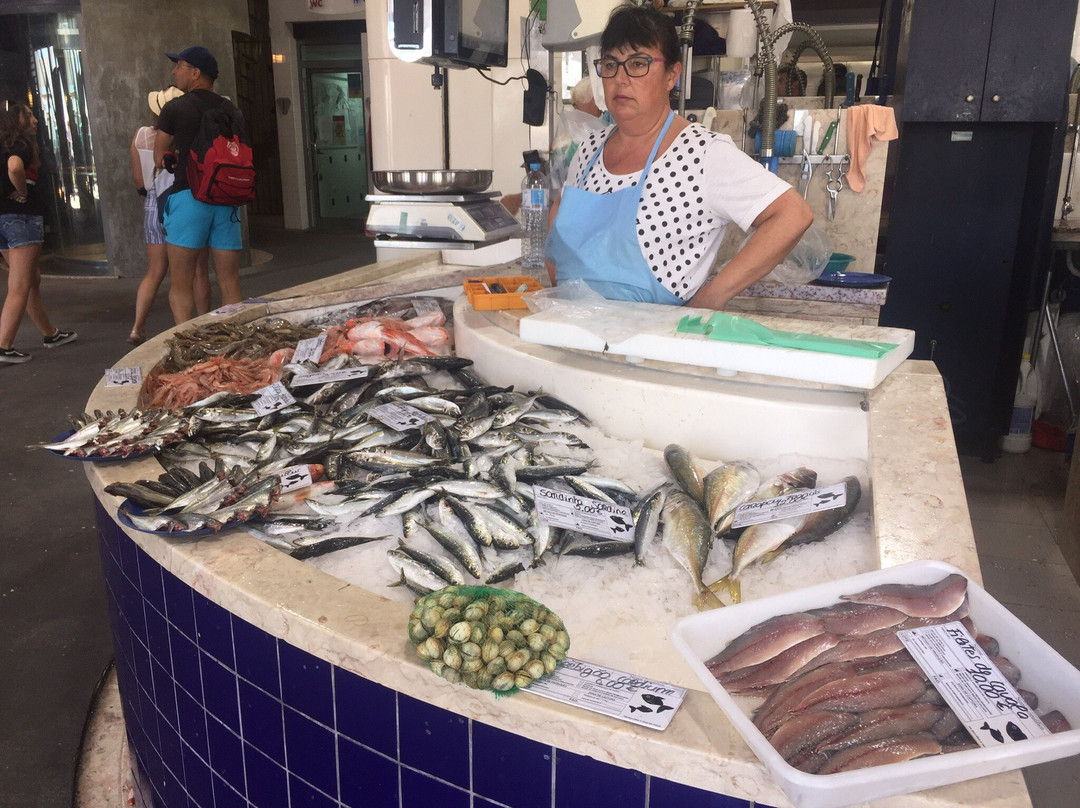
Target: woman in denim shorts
x=22, y=233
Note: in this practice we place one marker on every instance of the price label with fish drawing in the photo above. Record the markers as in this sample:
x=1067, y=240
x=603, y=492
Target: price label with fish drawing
x=272, y=398
x=618, y=694
x=309, y=350
x=400, y=416
x=982, y=697
x=584, y=514
x=795, y=503
x=294, y=478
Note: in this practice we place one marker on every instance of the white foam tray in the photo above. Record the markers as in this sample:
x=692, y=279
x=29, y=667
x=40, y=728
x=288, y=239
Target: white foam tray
x=660, y=341
x=1044, y=672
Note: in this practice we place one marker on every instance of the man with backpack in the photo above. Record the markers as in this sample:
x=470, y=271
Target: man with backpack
x=201, y=139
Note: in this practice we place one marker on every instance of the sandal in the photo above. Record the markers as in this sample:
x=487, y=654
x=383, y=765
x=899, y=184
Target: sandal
x=135, y=338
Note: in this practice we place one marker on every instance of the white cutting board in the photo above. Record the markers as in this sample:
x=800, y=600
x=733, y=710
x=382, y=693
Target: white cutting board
x=658, y=339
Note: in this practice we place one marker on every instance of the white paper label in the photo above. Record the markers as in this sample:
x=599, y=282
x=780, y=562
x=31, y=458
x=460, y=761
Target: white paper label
x=983, y=699
x=424, y=305
x=309, y=350
x=272, y=398
x=610, y=692
x=123, y=377
x=796, y=503
x=294, y=477
x=584, y=514
x=328, y=376
x=400, y=416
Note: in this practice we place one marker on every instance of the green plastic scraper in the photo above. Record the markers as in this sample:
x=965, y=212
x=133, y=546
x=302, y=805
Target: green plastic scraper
x=732, y=328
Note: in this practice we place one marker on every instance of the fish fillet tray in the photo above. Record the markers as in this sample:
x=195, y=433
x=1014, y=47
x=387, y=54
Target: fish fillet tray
x=1043, y=671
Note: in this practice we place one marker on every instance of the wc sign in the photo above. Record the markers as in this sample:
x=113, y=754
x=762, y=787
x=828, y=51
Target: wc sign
x=333, y=6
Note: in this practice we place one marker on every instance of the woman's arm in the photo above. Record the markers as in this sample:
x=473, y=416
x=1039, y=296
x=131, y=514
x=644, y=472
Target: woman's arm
x=551, y=220
x=136, y=163
x=163, y=143
x=17, y=174
x=778, y=229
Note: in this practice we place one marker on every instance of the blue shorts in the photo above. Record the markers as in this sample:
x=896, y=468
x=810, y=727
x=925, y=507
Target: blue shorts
x=19, y=230
x=152, y=227
x=195, y=224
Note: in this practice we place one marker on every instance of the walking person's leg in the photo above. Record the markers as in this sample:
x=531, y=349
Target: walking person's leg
x=157, y=265
x=227, y=272
x=182, y=261
x=201, y=285
x=21, y=262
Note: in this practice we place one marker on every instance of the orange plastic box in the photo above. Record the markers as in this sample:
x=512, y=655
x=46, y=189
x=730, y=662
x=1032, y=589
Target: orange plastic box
x=478, y=290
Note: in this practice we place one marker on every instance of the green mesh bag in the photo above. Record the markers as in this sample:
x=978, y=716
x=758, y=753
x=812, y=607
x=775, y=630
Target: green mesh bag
x=486, y=638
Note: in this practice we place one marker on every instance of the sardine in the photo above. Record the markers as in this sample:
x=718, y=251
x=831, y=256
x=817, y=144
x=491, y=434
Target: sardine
x=600, y=549
x=413, y=573
x=303, y=550
x=689, y=539
x=463, y=549
x=646, y=523
x=442, y=567
x=504, y=572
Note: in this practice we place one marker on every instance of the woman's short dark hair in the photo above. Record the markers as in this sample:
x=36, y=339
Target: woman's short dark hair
x=642, y=27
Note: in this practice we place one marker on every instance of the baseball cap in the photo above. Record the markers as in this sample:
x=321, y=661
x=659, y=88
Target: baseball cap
x=159, y=98
x=197, y=56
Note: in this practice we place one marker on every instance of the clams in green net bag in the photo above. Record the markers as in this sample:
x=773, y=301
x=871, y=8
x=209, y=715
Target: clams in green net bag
x=486, y=638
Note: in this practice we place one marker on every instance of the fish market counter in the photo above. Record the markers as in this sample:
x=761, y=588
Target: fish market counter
x=248, y=677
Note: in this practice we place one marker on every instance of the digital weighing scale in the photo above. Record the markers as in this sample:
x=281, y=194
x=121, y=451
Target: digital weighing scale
x=439, y=221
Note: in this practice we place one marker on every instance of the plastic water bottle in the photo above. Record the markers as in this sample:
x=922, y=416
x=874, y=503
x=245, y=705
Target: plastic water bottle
x=1018, y=440
x=535, y=201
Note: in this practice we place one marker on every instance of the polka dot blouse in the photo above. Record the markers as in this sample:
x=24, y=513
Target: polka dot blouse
x=699, y=184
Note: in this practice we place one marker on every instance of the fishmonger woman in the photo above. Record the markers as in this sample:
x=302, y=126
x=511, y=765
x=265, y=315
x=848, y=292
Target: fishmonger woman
x=647, y=201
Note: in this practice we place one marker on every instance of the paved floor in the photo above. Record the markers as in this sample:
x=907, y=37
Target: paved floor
x=54, y=636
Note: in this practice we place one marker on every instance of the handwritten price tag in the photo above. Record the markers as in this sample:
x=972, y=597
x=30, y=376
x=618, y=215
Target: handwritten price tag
x=983, y=699
x=272, y=398
x=607, y=691
x=123, y=377
x=309, y=350
x=584, y=514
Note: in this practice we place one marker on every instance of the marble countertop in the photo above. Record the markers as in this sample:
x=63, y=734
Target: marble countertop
x=920, y=512
x=810, y=291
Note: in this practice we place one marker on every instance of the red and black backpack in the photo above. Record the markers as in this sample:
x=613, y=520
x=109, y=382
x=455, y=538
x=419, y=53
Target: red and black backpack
x=219, y=167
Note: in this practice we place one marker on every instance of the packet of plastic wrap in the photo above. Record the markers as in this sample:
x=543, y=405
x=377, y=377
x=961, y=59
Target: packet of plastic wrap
x=613, y=321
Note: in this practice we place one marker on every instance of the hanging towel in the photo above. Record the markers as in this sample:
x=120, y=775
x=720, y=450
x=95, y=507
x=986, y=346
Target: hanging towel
x=865, y=122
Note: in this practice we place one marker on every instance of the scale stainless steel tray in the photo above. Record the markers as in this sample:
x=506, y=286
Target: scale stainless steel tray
x=423, y=181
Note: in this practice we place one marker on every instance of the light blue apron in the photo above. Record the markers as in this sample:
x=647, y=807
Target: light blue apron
x=594, y=238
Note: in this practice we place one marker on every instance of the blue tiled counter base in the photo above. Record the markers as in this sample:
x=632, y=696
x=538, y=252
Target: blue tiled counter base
x=221, y=714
